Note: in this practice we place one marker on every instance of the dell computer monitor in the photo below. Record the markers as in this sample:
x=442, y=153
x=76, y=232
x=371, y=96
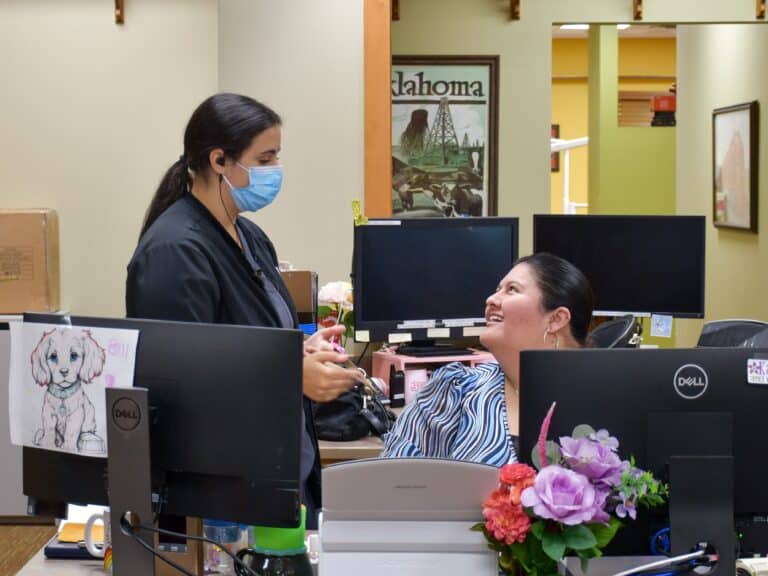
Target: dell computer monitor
x=671, y=409
x=225, y=431
x=421, y=279
x=636, y=264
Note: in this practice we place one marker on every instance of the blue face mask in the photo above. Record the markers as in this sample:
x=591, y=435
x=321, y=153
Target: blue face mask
x=263, y=185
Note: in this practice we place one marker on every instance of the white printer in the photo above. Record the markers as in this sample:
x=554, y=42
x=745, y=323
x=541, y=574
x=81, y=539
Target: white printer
x=405, y=516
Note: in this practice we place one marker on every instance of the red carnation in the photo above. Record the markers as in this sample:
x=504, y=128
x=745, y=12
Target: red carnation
x=518, y=477
x=505, y=521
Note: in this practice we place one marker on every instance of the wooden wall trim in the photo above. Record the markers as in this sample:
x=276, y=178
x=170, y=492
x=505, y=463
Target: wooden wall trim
x=377, y=65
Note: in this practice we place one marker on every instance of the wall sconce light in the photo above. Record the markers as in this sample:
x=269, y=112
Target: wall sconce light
x=760, y=10
x=119, y=12
x=514, y=9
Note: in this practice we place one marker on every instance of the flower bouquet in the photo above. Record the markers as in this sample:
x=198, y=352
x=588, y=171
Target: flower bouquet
x=574, y=504
x=334, y=306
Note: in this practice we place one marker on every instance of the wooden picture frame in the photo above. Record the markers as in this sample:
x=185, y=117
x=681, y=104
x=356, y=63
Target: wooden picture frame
x=735, y=163
x=444, y=135
x=554, y=160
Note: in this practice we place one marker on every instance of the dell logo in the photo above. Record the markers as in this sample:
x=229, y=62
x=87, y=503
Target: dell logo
x=126, y=414
x=690, y=381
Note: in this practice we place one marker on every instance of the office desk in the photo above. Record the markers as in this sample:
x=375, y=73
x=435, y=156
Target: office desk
x=39, y=565
x=332, y=452
x=368, y=447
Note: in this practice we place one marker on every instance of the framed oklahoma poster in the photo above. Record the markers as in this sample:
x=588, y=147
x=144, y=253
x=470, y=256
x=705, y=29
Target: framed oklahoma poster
x=444, y=135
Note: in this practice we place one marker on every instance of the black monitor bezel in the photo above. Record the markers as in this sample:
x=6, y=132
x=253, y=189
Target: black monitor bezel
x=387, y=331
x=181, y=492
x=642, y=388
x=649, y=219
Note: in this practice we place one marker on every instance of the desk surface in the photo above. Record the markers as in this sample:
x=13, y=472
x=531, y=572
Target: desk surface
x=368, y=447
x=39, y=565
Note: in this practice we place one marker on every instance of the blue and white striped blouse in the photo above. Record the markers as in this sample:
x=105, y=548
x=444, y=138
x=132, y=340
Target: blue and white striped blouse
x=460, y=414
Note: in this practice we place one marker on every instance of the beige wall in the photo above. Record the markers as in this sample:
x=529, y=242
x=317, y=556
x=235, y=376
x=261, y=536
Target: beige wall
x=482, y=27
x=719, y=66
x=305, y=59
x=91, y=114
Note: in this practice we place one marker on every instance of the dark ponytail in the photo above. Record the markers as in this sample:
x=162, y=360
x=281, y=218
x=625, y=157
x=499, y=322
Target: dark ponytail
x=226, y=121
x=173, y=186
x=562, y=284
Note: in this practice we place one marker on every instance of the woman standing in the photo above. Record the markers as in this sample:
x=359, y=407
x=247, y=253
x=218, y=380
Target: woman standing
x=198, y=260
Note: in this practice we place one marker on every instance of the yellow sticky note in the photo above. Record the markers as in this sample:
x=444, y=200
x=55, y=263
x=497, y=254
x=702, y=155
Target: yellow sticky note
x=75, y=532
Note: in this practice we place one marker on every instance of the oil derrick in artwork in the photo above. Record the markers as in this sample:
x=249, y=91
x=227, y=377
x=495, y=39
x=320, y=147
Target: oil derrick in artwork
x=442, y=137
x=441, y=151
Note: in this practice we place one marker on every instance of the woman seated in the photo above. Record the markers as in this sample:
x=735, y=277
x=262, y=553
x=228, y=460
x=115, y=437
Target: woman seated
x=472, y=413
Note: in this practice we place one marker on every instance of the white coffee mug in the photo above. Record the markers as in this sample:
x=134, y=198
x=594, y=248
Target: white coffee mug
x=90, y=545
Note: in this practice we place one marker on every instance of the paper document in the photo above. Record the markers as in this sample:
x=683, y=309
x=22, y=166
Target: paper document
x=58, y=375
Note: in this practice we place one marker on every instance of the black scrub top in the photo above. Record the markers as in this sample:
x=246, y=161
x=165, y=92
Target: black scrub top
x=188, y=268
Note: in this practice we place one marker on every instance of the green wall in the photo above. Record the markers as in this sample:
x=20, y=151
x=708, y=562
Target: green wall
x=631, y=170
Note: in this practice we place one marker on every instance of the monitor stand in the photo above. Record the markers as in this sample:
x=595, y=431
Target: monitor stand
x=701, y=507
x=426, y=348
x=128, y=470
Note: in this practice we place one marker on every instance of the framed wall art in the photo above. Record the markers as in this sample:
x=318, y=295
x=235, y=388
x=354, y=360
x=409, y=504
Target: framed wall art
x=444, y=135
x=735, y=162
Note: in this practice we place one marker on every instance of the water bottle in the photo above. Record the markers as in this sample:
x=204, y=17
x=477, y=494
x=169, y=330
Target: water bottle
x=229, y=535
x=277, y=552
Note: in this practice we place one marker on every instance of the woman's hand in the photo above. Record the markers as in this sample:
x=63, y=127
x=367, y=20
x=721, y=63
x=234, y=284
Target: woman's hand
x=323, y=379
x=323, y=339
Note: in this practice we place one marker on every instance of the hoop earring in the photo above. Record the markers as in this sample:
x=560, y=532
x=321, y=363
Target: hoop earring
x=557, y=338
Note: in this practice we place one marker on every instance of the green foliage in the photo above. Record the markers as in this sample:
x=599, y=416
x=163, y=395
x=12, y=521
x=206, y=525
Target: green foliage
x=650, y=492
x=347, y=318
x=553, y=544
x=579, y=537
x=531, y=558
x=583, y=431
x=553, y=454
x=323, y=311
x=537, y=529
x=604, y=534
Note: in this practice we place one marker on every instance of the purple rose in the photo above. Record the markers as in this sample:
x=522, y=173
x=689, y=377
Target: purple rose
x=595, y=460
x=602, y=493
x=563, y=495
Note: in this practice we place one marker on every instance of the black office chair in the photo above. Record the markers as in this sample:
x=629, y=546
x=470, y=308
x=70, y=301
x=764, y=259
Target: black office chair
x=729, y=333
x=759, y=340
x=619, y=333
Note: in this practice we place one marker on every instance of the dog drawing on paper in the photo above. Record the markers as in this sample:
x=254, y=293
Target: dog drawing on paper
x=63, y=361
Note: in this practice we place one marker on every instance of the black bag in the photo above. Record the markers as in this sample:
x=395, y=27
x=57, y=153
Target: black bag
x=353, y=415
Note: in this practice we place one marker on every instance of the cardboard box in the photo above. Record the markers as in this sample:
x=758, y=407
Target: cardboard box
x=302, y=285
x=29, y=261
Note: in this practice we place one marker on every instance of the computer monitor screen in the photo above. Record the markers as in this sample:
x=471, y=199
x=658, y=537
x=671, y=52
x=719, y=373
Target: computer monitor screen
x=226, y=405
x=636, y=264
x=661, y=404
x=428, y=277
